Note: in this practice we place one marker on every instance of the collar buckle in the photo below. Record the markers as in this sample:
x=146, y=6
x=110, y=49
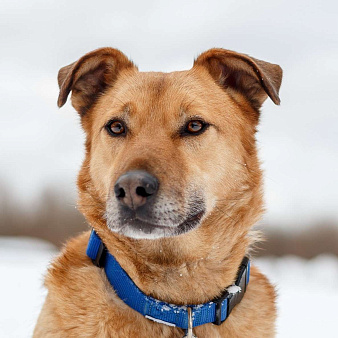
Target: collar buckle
x=230, y=300
x=218, y=308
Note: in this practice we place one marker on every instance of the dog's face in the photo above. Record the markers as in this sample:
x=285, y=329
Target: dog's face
x=165, y=150
x=166, y=125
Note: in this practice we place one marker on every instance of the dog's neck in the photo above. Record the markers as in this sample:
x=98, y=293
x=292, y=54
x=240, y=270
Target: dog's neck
x=189, y=269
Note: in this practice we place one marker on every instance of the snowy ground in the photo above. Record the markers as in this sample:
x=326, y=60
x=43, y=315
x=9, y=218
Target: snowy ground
x=308, y=290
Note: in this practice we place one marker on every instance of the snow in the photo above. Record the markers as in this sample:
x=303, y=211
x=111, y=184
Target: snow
x=308, y=290
x=308, y=294
x=234, y=289
x=22, y=266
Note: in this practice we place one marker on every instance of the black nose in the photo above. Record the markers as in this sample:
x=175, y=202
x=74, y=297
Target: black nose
x=134, y=188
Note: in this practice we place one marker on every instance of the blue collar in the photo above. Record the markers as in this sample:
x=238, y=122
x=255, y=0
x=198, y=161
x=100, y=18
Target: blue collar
x=216, y=311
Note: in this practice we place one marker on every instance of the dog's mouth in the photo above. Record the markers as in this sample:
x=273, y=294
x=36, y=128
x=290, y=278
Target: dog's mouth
x=138, y=228
x=158, y=218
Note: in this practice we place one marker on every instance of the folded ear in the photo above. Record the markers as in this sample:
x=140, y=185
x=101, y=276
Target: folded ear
x=89, y=77
x=253, y=78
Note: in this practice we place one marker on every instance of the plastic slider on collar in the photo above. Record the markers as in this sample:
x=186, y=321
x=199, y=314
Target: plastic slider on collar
x=97, y=250
x=230, y=300
x=100, y=257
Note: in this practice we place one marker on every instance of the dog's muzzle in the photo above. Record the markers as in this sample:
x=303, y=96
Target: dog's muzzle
x=137, y=208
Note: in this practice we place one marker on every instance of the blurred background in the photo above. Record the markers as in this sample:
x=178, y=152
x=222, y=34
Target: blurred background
x=41, y=147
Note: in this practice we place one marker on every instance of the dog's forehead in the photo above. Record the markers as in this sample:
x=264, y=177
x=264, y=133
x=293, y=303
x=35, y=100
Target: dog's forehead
x=155, y=96
x=155, y=84
x=152, y=90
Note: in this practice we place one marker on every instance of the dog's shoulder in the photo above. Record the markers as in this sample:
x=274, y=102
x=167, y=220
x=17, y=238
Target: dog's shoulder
x=79, y=295
x=75, y=287
x=70, y=263
x=81, y=302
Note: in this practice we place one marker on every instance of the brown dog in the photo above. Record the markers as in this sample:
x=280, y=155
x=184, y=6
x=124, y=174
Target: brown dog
x=172, y=185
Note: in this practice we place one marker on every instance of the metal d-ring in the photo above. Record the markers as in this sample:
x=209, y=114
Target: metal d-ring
x=189, y=333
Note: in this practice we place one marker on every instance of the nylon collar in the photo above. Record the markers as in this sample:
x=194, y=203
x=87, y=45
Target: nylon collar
x=216, y=311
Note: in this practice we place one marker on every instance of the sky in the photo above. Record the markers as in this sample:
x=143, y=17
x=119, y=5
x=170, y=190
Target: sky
x=42, y=146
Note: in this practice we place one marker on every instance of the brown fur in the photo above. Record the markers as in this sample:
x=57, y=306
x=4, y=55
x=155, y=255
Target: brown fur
x=226, y=89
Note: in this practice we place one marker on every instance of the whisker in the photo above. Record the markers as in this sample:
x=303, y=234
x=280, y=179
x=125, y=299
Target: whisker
x=222, y=211
x=115, y=97
x=230, y=199
x=254, y=171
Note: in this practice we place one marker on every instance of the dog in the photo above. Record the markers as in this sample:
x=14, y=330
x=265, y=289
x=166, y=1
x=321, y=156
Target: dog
x=171, y=184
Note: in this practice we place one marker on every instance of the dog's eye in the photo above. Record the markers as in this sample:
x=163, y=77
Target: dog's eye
x=116, y=128
x=195, y=127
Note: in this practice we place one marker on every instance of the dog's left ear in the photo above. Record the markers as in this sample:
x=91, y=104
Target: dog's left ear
x=255, y=79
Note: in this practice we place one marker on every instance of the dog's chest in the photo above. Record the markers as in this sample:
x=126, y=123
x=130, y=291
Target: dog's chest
x=104, y=314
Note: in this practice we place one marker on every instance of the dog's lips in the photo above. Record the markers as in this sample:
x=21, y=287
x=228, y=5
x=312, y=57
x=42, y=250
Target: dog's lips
x=192, y=221
x=145, y=227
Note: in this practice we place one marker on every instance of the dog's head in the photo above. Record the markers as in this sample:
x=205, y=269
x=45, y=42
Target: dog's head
x=166, y=151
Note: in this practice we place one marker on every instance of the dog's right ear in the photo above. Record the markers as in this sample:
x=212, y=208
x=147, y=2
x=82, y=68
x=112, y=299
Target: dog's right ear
x=90, y=76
